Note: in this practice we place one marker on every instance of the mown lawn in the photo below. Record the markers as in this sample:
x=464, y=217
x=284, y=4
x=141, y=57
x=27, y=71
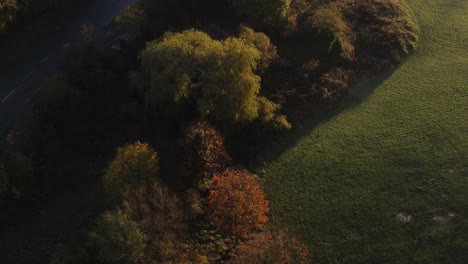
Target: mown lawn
x=384, y=179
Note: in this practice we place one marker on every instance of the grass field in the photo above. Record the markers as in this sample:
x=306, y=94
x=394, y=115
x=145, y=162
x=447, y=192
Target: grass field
x=384, y=178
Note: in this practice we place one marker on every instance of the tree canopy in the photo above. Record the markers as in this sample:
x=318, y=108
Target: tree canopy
x=134, y=165
x=237, y=204
x=118, y=239
x=190, y=69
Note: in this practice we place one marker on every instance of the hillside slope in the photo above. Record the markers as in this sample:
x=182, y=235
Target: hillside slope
x=384, y=179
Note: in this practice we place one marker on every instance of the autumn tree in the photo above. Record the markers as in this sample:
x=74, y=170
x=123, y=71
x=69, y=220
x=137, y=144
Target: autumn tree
x=134, y=165
x=8, y=10
x=205, y=153
x=132, y=19
x=237, y=204
x=118, y=239
x=190, y=70
x=271, y=247
x=159, y=213
x=262, y=43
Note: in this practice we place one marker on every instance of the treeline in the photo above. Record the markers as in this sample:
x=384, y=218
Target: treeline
x=190, y=99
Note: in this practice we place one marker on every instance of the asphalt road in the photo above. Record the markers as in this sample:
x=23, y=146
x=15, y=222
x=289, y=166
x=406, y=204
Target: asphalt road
x=19, y=85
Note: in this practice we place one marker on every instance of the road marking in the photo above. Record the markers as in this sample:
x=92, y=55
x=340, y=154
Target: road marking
x=12, y=91
x=45, y=59
x=6, y=97
x=27, y=76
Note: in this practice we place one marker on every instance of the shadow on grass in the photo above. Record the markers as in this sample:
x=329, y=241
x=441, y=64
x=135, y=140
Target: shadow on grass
x=360, y=92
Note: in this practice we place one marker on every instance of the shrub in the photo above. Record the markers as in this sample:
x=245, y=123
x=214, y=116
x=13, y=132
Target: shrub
x=118, y=239
x=134, y=165
x=329, y=18
x=237, y=204
x=334, y=83
x=386, y=31
x=190, y=70
x=369, y=31
x=271, y=247
x=159, y=214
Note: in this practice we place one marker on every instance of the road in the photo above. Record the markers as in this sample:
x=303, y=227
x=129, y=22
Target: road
x=19, y=85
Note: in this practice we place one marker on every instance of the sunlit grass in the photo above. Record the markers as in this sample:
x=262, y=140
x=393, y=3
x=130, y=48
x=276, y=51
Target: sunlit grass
x=397, y=147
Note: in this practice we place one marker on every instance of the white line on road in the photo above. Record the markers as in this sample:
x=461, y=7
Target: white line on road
x=45, y=59
x=6, y=97
x=27, y=76
x=12, y=91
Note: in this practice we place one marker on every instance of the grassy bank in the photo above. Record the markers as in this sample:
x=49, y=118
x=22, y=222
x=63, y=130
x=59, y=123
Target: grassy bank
x=384, y=178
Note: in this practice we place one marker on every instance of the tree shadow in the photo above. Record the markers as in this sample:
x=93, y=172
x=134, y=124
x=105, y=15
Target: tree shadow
x=359, y=93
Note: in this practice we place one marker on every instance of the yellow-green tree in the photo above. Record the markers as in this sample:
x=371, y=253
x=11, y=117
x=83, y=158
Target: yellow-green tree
x=262, y=43
x=134, y=165
x=189, y=69
x=118, y=239
x=8, y=10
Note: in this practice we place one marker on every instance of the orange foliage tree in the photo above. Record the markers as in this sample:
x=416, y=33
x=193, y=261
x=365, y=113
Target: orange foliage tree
x=237, y=204
x=271, y=247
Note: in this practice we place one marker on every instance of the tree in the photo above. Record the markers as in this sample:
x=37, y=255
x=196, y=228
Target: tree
x=271, y=247
x=190, y=70
x=262, y=43
x=159, y=213
x=205, y=153
x=8, y=10
x=134, y=165
x=237, y=204
x=118, y=239
x=132, y=19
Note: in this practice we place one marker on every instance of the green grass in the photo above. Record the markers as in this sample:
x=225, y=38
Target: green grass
x=397, y=144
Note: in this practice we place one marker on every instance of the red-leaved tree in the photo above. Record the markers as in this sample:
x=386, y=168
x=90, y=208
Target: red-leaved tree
x=271, y=247
x=237, y=204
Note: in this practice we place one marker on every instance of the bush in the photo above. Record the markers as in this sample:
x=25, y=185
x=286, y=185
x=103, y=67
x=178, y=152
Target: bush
x=371, y=32
x=334, y=83
x=190, y=70
x=271, y=247
x=237, y=204
x=118, y=239
x=386, y=30
x=329, y=18
x=134, y=165
x=159, y=214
